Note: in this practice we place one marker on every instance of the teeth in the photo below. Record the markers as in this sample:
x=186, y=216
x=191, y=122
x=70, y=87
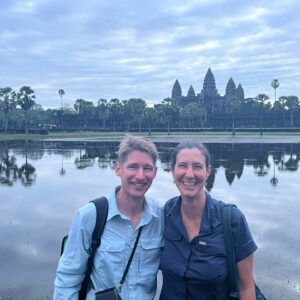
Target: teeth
x=189, y=183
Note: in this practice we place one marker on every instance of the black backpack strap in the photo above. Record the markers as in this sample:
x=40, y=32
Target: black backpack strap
x=130, y=259
x=229, y=245
x=101, y=205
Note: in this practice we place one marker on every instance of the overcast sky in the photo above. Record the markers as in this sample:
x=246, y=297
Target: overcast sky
x=137, y=49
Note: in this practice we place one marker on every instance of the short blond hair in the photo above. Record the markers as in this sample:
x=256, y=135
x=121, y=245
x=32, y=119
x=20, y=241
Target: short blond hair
x=136, y=143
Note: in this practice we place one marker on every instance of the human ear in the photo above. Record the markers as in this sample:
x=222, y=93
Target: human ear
x=117, y=168
x=208, y=171
x=155, y=171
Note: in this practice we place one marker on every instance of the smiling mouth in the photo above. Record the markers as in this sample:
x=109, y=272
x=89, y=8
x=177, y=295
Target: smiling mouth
x=189, y=183
x=139, y=184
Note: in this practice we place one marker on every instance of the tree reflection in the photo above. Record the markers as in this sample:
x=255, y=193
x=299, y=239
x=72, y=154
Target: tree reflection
x=261, y=164
x=211, y=179
x=290, y=164
x=11, y=173
x=165, y=159
x=8, y=170
x=26, y=173
x=232, y=157
x=83, y=161
x=274, y=179
x=62, y=171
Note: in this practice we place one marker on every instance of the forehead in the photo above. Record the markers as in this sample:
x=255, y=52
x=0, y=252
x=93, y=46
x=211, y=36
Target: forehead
x=193, y=154
x=137, y=156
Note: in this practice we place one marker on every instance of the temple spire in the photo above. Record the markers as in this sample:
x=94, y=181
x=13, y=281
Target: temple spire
x=230, y=88
x=240, y=92
x=191, y=92
x=176, y=91
x=209, y=84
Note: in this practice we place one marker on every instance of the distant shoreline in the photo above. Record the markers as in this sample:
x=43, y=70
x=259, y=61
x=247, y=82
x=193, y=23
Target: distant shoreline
x=206, y=137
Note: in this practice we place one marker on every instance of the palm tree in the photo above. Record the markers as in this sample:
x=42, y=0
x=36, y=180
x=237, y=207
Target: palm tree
x=103, y=112
x=84, y=109
x=7, y=104
x=137, y=108
x=261, y=98
x=114, y=106
x=292, y=102
x=275, y=84
x=61, y=93
x=26, y=101
x=282, y=101
x=167, y=110
x=232, y=106
x=150, y=116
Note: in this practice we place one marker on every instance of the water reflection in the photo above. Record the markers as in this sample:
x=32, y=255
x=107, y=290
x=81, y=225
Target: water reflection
x=262, y=179
x=230, y=157
x=10, y=172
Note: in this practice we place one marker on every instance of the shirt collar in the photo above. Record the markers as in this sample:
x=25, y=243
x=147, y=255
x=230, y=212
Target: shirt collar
x=113, y=207
x=174, y=212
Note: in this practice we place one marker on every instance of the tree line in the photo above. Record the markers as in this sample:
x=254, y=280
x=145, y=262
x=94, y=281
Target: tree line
x=19, y=110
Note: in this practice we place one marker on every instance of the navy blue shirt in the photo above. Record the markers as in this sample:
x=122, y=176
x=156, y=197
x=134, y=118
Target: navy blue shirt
x=197, y=269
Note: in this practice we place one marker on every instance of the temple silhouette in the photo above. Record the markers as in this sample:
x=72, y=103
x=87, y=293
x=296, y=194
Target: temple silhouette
x=209, y=97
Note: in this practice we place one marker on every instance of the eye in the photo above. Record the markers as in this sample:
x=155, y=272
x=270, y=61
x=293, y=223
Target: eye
x=133, y=167
x=148, y=168
x=181, y=165
x=198, y=167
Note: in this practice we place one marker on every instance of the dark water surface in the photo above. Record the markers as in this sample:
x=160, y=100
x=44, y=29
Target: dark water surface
x=43, y=183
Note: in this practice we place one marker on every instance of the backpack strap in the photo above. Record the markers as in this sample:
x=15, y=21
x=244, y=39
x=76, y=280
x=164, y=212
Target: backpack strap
x=101, y=205
x=229, y=245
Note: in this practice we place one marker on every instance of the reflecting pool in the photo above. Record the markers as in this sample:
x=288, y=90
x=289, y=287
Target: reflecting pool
x=43, y=183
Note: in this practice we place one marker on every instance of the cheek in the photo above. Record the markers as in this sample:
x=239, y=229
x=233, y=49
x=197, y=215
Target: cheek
x=176, y=178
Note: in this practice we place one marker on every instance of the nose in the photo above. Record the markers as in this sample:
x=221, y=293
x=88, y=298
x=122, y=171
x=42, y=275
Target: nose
x=189, y=172
x=140, y=173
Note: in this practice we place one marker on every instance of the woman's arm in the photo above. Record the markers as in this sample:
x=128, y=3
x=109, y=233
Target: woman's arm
x=245, y=278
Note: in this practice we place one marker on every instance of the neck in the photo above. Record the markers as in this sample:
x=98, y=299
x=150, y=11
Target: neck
x=132, y=207
x=193, y=207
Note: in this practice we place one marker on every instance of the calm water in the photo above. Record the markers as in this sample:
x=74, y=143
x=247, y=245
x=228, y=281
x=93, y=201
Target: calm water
x=43, y=183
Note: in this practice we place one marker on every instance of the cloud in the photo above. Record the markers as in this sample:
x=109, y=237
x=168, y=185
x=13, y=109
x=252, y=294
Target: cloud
x=116, y=49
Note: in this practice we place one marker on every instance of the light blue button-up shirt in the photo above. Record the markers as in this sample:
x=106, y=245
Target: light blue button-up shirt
x=112, y=256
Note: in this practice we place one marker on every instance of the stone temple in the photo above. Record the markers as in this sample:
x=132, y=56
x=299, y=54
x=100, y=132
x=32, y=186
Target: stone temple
x=209, y=96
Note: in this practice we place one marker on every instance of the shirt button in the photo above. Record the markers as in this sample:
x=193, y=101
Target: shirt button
x=107, y=247
x=129, y=226
x=131, y=287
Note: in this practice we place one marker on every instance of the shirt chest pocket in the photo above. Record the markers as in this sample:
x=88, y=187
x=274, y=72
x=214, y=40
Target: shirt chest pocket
x=112, y=251
x=150, y=256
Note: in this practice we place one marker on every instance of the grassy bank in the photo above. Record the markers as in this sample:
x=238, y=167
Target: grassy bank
x=83, y=134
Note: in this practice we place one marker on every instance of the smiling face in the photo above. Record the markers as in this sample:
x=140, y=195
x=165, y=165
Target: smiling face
x=190, y=173
x=137, y=173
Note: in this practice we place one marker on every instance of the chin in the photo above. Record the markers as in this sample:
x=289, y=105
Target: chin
x=139, y=193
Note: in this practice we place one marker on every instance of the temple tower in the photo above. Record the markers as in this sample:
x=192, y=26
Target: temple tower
x=191, y=92
x=176, y=91
x=240, y=92
x=209, y=85
x=230, y=88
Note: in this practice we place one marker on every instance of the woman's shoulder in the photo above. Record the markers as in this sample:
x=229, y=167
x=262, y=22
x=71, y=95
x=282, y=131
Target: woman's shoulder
x=217, y=207
x=170, y=204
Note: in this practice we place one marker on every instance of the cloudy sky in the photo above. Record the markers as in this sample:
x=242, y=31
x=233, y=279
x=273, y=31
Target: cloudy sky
x=137, y=48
